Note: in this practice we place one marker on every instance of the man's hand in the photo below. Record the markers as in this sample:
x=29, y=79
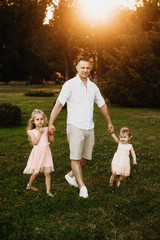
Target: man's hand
x=52, y=129
x=110, y=128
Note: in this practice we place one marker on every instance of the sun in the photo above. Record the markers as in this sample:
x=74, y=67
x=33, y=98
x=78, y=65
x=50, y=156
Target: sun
x=97, y=10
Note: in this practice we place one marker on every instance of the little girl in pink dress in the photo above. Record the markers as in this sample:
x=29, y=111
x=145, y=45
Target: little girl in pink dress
x=40, y=159
x=121, y=160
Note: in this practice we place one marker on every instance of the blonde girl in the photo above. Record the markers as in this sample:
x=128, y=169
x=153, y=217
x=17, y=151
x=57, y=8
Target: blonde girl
x=40, y=159
x=121, y=160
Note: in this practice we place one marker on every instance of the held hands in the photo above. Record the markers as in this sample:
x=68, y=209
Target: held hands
x=110, y=128
x=52, y=129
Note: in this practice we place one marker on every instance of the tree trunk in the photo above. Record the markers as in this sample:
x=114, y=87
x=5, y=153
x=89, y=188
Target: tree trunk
x=66, y=66
x=99, y=63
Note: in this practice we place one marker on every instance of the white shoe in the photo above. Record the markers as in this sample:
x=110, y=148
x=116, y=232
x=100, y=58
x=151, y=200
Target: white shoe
x=71, y=180
x=83, y=192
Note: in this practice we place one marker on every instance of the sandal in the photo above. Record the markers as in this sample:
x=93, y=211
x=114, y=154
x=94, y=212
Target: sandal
x=118, y=182
x=32, y=188
x=50, y=194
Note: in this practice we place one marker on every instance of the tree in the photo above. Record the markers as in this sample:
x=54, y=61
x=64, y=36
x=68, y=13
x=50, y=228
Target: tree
x=64, y=25
x=20, y=22
x=132, y=66
x=148, y=14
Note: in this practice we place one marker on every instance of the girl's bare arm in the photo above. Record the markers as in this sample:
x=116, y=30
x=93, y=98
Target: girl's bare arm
x=133, y=156
x=35, y=140
x=115, y=138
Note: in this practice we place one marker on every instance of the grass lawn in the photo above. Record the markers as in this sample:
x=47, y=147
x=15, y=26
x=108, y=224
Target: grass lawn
x=130, y=212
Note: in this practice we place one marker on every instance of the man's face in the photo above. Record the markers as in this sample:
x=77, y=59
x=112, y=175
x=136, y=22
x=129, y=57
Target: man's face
x=83, y=69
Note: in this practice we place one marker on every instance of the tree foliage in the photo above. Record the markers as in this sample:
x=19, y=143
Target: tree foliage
x=20, y=22
x=132, y=74
x=132, y=62
x=63, y=27
x=125, y=52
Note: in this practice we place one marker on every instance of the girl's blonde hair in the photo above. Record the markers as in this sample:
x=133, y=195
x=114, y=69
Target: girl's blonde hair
x=125, y=130
x=31, y=124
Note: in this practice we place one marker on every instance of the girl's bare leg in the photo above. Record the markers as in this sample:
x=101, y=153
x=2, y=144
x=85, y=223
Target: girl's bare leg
x=31, y=181
x=120, y=179
x=48, y=184
x=112, y=178
x=48, y=181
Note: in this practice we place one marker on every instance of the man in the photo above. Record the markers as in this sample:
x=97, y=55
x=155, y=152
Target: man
x=80, y=94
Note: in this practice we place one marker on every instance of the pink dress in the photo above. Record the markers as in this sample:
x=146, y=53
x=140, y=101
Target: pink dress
x=40, y=159
x=121, y=160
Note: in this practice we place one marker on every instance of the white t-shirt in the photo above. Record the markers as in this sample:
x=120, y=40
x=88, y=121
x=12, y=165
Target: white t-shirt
x=80, y=102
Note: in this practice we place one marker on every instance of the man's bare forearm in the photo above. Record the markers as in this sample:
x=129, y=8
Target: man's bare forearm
x=55, y=111
x=105, y=112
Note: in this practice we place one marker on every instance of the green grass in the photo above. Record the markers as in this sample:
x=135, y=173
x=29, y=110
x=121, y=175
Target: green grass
x=130, y=212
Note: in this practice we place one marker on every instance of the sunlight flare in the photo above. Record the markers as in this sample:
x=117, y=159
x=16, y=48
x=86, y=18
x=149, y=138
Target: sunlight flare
x=49, y=11
x=103, y=9
x=96, y=9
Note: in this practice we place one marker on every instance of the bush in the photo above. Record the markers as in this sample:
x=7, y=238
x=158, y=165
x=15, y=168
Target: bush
x=39, y=94
x=10, y=116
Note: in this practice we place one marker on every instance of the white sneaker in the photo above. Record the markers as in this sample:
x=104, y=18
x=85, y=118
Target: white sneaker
x=71, y=180
x=83, y=192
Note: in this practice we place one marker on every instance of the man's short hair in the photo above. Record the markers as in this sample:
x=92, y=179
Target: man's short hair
x=85, y=59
